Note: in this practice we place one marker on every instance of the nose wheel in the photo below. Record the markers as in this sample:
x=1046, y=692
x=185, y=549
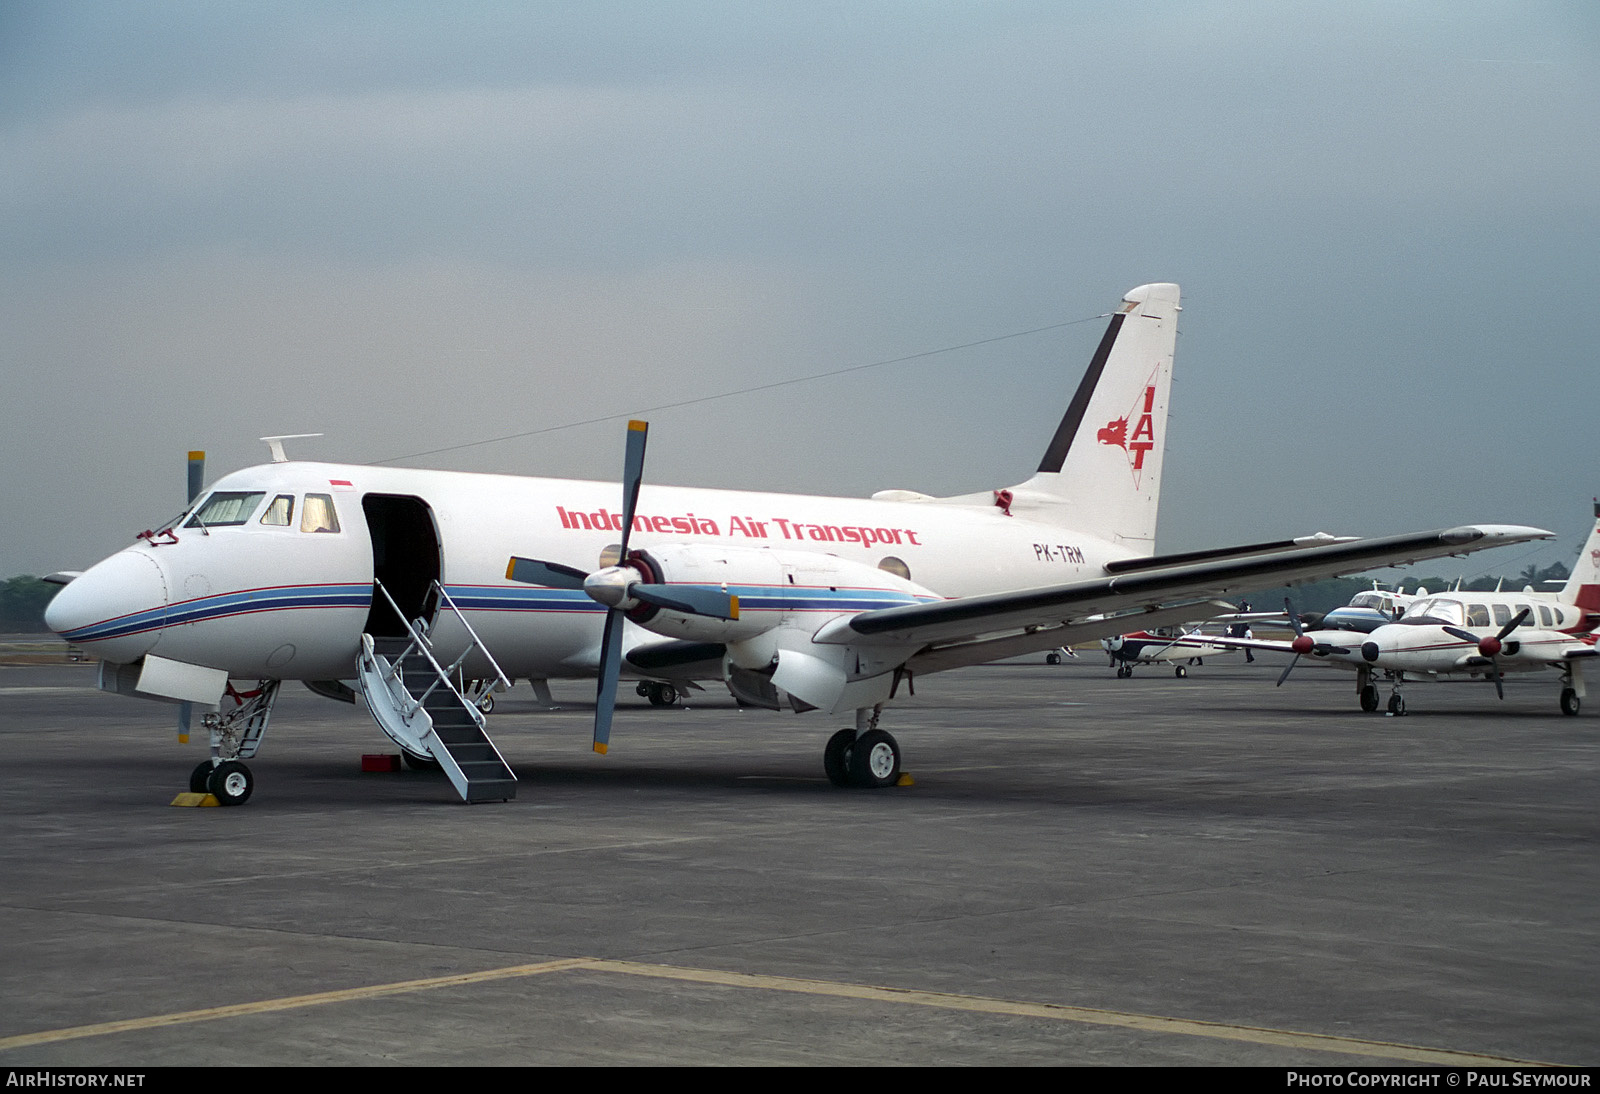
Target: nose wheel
x=231, y=783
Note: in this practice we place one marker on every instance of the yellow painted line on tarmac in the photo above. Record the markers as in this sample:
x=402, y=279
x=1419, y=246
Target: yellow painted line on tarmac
x=291, y=1002
x=1146, y=1023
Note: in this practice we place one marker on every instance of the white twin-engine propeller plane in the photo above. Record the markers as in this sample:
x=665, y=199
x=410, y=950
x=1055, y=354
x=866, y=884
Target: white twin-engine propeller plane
x=1463, y=633
x=429, y=586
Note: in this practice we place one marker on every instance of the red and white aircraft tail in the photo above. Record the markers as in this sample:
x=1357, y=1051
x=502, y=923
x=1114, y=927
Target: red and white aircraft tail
x=1101, y=473
x=1583, y=586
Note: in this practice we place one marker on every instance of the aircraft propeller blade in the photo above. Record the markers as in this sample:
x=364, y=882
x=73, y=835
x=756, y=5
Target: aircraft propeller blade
x=1490, y=647
x=1301, y=644
x=197, y=480
x=689, y=599
x=632, y=478
x=197, y=474
x=605, y=702
x=605, y=699
x=1293, y=662
x=532, y=571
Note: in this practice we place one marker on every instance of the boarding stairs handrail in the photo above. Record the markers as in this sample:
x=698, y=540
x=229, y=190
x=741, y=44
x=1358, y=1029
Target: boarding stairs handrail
x=477, y=643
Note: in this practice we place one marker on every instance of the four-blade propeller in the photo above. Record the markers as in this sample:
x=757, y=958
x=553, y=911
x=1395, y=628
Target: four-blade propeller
x=622, y=589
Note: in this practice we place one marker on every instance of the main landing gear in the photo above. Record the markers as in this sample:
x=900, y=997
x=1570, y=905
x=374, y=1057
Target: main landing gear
x=1569, y=701
x=865, y=756
x=660, y=694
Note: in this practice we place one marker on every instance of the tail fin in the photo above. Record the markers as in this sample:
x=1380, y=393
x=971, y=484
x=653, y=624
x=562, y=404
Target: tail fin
x=1102, y=471
x=1583, y=587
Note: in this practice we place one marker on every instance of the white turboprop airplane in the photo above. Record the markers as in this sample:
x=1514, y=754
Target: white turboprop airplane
x=1463, y=633
x=408, y=579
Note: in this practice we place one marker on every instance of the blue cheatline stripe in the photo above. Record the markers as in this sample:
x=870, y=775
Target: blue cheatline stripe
x=223, y=605
x=488, y=598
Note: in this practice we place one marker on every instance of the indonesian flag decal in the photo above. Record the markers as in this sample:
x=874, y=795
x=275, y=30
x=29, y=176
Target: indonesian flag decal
x=341, y=484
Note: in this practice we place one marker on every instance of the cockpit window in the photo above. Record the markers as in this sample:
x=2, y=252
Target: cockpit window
x=280, y=512
x=225, y=508
x=318, y=514
x=1438, y=609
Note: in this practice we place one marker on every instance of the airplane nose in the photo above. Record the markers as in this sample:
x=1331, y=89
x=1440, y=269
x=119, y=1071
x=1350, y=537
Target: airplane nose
x=115, y=609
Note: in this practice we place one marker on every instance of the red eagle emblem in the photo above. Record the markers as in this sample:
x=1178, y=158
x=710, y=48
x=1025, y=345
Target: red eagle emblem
x=1143, y=439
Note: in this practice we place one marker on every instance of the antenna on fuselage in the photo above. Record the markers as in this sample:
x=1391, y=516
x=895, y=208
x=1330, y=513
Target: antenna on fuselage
x=275, y=444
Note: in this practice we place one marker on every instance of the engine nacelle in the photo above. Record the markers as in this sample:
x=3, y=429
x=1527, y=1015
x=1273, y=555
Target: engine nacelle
x=776, y=589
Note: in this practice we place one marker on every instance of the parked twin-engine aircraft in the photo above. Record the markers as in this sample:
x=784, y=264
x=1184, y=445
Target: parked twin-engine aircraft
x=415, y=582
x=1462, y=633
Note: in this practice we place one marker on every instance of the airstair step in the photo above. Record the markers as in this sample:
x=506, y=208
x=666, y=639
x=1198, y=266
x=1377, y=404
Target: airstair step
x=470, y=758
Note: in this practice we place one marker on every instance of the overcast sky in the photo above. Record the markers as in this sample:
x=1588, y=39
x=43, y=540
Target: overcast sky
x=416, y=226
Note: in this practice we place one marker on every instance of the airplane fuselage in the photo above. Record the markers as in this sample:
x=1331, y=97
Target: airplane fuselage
x=270, y=595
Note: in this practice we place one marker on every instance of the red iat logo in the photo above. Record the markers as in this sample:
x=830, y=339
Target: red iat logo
x=1144, y=432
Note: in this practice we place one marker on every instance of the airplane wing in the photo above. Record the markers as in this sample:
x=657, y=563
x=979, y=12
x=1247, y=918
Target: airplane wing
x=969, y=630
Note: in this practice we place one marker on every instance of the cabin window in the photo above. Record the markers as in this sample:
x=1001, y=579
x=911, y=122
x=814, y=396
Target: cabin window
x=1477, y=615
x=889, y=564
x=281, y=512
x=318, y=514
x=1545, y=619
x=1502, y=615
x=226, y=508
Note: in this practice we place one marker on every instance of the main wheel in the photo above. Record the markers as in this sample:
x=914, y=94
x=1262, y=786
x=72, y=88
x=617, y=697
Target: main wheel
x=663, y=695
x=1397, y=704
x=231, y=783
x=875, y=760
x=1052, y=658
x=200, y=778
x=1180, y=672
x=1569, y=701
x=1369, y=698
x=836, y=757
x=486, y=704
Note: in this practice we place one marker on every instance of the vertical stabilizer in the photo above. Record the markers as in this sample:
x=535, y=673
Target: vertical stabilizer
x=1101, y=473
x=1583, y=587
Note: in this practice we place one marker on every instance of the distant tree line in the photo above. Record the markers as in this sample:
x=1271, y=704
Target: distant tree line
x=22, y=603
